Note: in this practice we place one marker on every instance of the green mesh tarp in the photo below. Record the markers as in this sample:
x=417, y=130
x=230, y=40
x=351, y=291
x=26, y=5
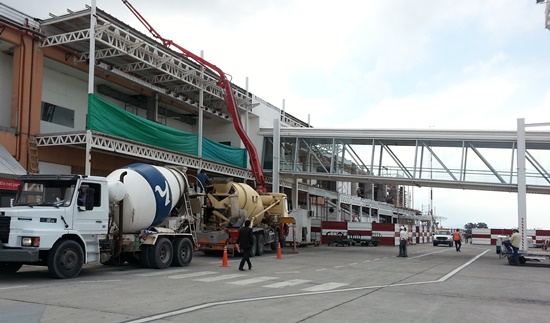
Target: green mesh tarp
x=107, y=118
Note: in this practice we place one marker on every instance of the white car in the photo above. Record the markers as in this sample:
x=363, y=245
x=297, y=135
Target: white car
x=443, y=237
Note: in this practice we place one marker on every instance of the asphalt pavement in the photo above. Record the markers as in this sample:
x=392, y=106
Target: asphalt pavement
x=317, y=284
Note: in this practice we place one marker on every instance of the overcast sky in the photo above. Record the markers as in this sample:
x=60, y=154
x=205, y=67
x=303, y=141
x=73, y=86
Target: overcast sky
x=440, y=64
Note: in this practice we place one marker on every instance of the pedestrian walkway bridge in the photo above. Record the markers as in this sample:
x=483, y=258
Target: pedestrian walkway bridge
x=476, y=160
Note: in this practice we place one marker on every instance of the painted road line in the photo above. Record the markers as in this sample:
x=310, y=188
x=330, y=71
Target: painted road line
x=321, y=269
x=14, y=287
x=292, y=282
x=454, y=272
x=162, y=272
x=252, y=280
x=99, y=281
x=197, y=274
x=266, y=298
x=323, y=287
x=430, y=253
x=218, y=278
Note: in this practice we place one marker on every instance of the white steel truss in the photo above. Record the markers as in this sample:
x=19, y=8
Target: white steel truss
x=138, y=150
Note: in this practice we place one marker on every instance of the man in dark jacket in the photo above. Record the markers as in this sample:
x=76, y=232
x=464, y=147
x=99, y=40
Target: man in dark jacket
x=245, y=242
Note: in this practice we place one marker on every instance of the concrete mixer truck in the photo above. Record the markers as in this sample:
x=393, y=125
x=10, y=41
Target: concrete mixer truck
x=229, y=204
x=139, y=213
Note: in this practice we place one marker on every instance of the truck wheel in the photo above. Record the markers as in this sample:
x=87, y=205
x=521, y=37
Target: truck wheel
x=435, y=244
x=261, y=242
x=254, y=245
x=65, y=260
x=183, y=252
x=161, y=254
x=10, y=267
x=144, y=256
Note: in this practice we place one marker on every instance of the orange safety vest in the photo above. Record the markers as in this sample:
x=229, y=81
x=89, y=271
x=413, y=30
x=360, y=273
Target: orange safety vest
x=456, y=236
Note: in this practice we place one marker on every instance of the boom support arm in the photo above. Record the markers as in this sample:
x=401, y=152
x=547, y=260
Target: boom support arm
x=229, y=99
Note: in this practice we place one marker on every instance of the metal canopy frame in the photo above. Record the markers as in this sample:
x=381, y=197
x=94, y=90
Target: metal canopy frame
x=122, y=50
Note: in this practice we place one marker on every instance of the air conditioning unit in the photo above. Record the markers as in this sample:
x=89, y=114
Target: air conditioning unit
x=311, y=213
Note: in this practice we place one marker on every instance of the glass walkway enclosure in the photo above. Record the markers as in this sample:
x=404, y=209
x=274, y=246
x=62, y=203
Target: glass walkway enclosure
x=476, y=160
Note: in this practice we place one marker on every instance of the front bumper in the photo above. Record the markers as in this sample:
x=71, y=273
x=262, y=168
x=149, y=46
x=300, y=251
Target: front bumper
x=18, y=255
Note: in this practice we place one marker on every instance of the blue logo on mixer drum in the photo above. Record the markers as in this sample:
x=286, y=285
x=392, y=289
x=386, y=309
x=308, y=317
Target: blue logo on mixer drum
x=160, y=188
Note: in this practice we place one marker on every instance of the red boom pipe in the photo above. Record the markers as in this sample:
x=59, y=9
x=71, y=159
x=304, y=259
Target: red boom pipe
x=229, y=100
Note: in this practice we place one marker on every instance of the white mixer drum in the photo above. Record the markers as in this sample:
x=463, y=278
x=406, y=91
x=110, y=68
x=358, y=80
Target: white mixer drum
x=151, y=194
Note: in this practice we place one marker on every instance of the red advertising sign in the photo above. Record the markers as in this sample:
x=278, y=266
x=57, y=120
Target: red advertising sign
x=8, y=184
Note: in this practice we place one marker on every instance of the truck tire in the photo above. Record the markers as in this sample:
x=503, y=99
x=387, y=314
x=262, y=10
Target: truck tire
x=65, y=260
x=435, y=244
x=144, y=256
x=254, y=245
x=183, y=252
x=450, y=244
x=161, y=254
x=10, y=267
x=260, y=246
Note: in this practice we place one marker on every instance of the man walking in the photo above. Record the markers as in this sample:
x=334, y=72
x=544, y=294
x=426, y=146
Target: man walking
x=514, y=243
x=403, y=238
x=457, y=240
x=245, y=243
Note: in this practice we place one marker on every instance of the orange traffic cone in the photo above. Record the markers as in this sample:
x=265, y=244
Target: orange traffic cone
x=224, y=260
x=279, y=255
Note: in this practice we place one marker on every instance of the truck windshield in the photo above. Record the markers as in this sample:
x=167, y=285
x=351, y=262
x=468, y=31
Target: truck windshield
x=448, y=233
x=45, y=193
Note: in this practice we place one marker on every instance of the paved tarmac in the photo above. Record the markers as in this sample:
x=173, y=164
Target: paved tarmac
x=318, y=284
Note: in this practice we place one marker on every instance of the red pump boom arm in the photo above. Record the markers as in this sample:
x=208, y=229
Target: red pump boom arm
x=229, y=100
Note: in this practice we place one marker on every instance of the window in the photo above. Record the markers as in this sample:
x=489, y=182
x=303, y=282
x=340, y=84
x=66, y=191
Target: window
x=58, y=115
x=97, y=191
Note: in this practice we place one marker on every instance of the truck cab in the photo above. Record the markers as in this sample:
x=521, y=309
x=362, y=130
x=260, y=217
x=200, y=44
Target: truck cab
x=54, y=216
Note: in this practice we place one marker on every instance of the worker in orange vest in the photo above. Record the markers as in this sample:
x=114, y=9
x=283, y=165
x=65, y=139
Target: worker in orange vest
x=457, y=240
